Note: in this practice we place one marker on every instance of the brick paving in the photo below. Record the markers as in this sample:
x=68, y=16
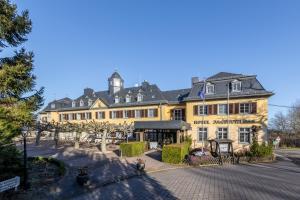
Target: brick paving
x=271, y=181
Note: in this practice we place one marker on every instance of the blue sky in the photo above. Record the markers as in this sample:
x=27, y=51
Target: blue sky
x=78, y=44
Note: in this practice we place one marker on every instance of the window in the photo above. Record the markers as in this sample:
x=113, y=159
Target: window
x=90, y=102
x=100, y=115
x=114, y=114
x=70, y=116
x=139, y=97
x=78, y=116
x=151, y=113
x=177, y=114
x=73, y=104
x=81, y=103
x=202, y=134
x=128, y=99
x=88, y=115
x=202, y=110
x=138, y=114
x=222, y=133
x=117, y=99
x=223, y=109
x=236, y=86
x=53, y=105
x=126, y=114
x=244, y=135
x=210, y=88
x=245, y=108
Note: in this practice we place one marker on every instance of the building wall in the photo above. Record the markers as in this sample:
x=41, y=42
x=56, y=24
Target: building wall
x=260, y=118
x=164, y=113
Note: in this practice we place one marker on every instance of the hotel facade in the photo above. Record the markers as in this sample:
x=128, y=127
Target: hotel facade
x=234, y=104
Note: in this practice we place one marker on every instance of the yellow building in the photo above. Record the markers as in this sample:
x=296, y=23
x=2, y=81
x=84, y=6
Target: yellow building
x=225, y=106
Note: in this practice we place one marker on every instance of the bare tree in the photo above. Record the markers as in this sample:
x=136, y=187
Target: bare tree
x=280, y=122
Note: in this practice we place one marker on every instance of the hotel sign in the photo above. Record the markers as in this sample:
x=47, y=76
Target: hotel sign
x=239, y=121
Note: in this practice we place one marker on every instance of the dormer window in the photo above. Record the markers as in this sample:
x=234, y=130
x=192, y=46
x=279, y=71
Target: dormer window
x=81, y=103
x=73, y=104
x=52, y=105
x=210, y=88
x=117, y=99
x=236, y=86
x=128, y=98
x=90, y=102
x=139, y=97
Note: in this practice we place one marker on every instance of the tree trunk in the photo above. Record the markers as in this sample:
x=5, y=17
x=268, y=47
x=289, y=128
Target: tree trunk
x=56, y=137
x=77, y=138
x=103, y=142
x=38, y=137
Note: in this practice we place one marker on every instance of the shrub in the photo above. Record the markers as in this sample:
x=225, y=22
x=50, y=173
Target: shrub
x=132, y=149
x=262, y=150
x=175, y=153
x=61, y=165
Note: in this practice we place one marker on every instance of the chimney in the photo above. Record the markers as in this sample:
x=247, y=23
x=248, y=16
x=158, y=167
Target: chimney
x=195, y=80
x=88, y=91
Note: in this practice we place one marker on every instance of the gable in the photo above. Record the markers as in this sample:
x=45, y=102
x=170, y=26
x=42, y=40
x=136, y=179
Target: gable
x=98, y=104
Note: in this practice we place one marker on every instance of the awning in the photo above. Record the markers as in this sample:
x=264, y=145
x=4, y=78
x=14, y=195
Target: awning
x=171, y=125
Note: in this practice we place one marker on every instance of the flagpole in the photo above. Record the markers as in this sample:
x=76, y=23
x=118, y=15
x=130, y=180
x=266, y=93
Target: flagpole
x=203, y=109
x=228, y=110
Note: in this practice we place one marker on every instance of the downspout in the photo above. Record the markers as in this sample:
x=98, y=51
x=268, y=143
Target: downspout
x=160, y=108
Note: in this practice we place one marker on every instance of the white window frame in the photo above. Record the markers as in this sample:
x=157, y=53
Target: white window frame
x=81, y=103
x=52, y=105
x=70, y=116
x=90, y=102
x=243, y=107
x=125, y=114
x=138, y=114
x=202, y=131
x=117, y=99
x=78, y=116
x=221, y=130
x=202, y=110
x=100, y=115
x=226, y=109
x=177, y=114
x=236, y=86
x=139, y=97
x=150, y=113
x=128, y=98
x=210, y=87
x=245, y=130
x=73, y=104
x=114, y=114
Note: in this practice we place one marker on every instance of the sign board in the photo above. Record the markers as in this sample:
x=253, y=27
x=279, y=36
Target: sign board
x=223, y=148
x=9, y=184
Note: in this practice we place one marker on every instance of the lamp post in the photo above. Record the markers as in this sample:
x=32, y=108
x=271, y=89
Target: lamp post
x=25, y=131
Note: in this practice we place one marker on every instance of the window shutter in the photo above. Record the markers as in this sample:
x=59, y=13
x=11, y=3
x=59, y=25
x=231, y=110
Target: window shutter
x=121, y=114
x=96, y=115
x=103, y=115
x=236, y=108
x=155, y=112
x=215, y=112
x=142, y=113
x=210, y=109
x=132, y=114
x=254, y=108
x=183, y=114
x=146, y=113
x=196, y=110
x=110, y=114
x=231, y=108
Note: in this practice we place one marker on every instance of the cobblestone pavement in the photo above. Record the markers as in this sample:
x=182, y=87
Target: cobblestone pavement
x=272, y=181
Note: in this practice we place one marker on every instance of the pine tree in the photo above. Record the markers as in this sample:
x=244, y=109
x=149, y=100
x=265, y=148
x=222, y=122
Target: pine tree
x=18, y=97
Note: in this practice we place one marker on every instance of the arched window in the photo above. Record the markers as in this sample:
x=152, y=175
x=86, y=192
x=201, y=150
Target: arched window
x=81, y=103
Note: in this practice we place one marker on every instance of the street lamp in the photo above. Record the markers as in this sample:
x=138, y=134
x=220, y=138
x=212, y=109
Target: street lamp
x=25, y=131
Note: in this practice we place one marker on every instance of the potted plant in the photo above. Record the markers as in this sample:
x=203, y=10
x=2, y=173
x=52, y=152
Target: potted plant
x=140, y=164
x=82, y=177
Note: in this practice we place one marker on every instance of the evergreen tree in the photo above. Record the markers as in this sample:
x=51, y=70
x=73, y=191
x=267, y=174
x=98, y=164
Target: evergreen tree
x=18, y=97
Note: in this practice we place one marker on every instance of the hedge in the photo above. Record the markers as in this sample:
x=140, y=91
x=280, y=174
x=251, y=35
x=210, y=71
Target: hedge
x=61, y=165
x=132, y=149
x=175, y=153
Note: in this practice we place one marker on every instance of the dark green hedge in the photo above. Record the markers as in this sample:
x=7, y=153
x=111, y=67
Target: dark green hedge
x=175, y=153
x=132, y=149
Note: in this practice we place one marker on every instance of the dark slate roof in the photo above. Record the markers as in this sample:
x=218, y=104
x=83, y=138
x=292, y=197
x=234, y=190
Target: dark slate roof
x=250, y=87
x=176, y=96
x=172, y=124
x=152, y=95
x=116, y=75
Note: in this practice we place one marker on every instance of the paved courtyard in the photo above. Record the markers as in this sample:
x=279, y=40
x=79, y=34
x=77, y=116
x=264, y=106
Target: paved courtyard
x=279, y=180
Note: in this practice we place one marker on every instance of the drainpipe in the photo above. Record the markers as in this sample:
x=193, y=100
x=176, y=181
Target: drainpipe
x=160, y=111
